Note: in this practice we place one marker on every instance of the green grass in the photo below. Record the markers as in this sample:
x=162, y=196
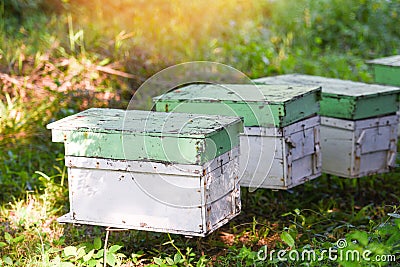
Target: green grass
x=59, y=57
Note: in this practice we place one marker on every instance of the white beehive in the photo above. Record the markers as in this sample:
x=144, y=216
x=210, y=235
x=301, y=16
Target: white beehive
x=296, y=154
x=280, y=144
x=358, y=124
x=359, y=148
x=175, y=173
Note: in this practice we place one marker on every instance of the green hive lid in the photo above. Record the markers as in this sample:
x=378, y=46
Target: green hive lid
x=393, y=61
x=386, y=70
x=343, y=98
x=261, y=105
x=146, y=135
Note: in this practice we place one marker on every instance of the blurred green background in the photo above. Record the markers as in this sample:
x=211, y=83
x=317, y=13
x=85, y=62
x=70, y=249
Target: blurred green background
x=58, y=57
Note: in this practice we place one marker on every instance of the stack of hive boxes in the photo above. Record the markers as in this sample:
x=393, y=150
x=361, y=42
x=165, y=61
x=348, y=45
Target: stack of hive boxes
x=280, y=144
x=358, y=124
x=156, y=171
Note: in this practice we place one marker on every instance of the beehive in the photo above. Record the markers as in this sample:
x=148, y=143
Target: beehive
x=155, y=171
x=357, y=124
x=386, y=70
x=280, y=144
x=355, y=148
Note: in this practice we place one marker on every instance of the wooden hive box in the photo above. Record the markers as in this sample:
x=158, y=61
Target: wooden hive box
x=386, y=70
x=154, y=171
x=280, y=144
x=358, y=124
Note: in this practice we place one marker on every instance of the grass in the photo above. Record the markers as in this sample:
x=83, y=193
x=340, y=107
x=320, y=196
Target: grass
x=85, y=56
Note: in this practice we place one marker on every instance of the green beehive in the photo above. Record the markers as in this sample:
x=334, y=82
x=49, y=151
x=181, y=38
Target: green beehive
x=144, y=135
x=358, y=124
x=345, y=99
x=260, y=106
x=152, y=171
x=279, y=148
x=386, y=70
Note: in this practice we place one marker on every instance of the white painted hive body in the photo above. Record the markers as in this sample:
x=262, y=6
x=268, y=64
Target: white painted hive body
x=358, y=124
x=358, y=148
x=296, y=160
x=192, y=198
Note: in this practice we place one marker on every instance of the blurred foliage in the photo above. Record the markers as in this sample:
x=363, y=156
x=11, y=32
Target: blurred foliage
x=364, y=28
x=23, y=9
x=257, y=37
